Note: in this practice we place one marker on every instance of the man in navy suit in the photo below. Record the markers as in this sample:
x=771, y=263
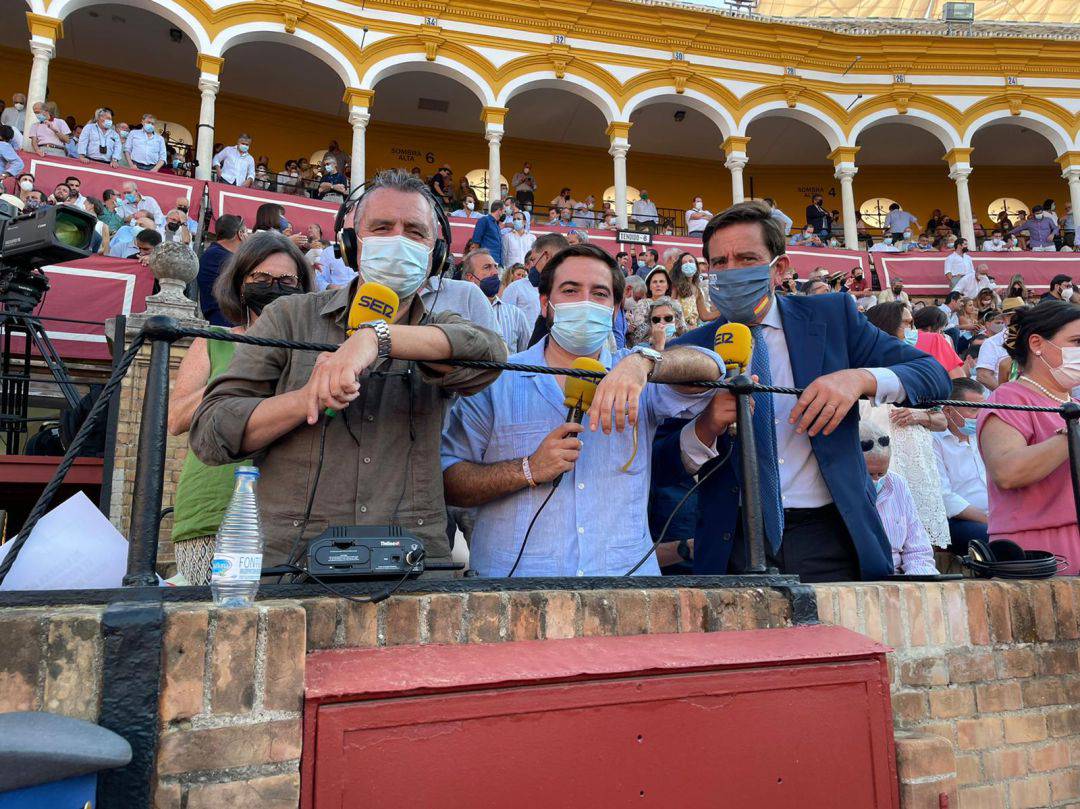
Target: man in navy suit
x=817, y=499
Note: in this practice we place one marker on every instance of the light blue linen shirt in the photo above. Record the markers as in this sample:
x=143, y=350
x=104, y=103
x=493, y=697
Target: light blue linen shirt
x=596, y=523
x=334, y=270
x=145, y=149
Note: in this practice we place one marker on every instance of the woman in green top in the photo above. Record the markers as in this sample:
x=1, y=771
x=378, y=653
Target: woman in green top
x=265, y=267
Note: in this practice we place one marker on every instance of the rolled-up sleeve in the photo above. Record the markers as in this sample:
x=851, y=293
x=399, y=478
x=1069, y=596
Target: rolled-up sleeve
x=467, y=342
x=467, y=431
x=219, y=423
x=666, y=401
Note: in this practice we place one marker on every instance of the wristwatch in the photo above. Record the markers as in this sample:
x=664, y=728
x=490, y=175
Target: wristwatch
x=382, y=334
x=684, y=551
x=655, y=356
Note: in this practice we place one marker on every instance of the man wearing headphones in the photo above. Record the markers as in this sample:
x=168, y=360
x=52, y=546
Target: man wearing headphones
x=385, y=382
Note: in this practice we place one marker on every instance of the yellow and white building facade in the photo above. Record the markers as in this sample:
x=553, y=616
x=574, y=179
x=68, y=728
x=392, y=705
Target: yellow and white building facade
x=603, y=96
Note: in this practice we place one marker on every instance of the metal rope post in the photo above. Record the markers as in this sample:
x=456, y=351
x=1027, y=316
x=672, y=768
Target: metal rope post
x=1070, y=411
x=150, y=464
x=753, y=525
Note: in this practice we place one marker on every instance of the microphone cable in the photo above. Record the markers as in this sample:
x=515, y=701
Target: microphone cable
x=532, y=522
x=674, y=511
x=294, y=551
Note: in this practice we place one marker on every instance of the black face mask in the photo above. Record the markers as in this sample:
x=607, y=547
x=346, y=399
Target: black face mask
x=258, y=296
x=173, y=226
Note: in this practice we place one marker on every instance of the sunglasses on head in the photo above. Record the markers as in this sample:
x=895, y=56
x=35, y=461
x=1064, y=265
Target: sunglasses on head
x=663, y=318
x=868, y=444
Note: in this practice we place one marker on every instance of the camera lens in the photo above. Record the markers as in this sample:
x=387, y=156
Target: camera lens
x=73, y=231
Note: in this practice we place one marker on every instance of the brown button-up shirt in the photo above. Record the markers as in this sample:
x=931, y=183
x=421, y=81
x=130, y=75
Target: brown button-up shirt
x=381, y=461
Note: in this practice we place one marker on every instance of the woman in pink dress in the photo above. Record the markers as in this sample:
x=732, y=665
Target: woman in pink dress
x=1026, y=454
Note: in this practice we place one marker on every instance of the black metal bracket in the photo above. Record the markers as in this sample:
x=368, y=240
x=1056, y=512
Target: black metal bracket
x=132, y=635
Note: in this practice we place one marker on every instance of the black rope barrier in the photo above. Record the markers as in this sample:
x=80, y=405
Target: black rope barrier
x=47, y=495
x=718, y=384
x=163, y=331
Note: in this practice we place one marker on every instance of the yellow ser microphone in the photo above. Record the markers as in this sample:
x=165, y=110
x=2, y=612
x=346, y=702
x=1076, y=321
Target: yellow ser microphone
x=735, y=345
x=371, y=302
x=578, y=395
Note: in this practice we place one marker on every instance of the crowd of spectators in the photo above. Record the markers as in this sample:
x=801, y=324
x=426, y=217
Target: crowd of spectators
x=940, y=489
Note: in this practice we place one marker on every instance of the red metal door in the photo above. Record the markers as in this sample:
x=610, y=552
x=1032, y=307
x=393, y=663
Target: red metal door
x=778, y=718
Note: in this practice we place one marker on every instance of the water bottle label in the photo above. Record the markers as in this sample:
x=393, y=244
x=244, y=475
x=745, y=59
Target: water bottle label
x=236, y=566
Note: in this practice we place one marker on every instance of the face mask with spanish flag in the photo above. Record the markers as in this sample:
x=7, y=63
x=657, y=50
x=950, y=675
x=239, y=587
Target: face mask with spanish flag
x=742, y=295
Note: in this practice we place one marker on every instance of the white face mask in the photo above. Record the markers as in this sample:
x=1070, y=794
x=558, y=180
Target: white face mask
x=1068, y=373
x=470, y=204
x=26, y=185
x=394, y=261
x=697, y=205
x=1066, y=293
x=19, y=107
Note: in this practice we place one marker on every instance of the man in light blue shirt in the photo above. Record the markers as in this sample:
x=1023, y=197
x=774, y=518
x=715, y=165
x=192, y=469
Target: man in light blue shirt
x=504, y=449
x=332, y=271
x=10, y=162
x=99, y=141
x=145, y=147
x=132, y=201
x=447, y=295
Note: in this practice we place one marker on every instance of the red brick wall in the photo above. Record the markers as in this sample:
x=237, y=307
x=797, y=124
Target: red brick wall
x=993, y=668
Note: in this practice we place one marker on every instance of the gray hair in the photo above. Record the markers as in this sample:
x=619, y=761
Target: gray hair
x=99, y=112
x=643, y=331
x=670, y=254
x=402, y=181
x=466, y=261
x=868, y=431
x=636, y=283
x=582, y=236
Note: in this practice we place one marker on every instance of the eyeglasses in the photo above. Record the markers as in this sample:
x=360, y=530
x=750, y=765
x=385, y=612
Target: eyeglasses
x=663, y=318
x=868, y=444
x=267, y=278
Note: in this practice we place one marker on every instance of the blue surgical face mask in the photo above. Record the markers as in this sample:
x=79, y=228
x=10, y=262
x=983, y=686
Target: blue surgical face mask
x=519, y=224
x=742, y=295
x=395, y=261
x=689, y=268
x=130, y=198
x=669, y=330
x=107, y=123
x=243, y=147
x=148, y=129
x=968, y=427
x=581, y=327
x=879, y=483
x=911, y=336
x=490, y=285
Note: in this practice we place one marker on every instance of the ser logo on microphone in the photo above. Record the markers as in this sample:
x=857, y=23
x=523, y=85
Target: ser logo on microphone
x=724, y=337
x=380, y=307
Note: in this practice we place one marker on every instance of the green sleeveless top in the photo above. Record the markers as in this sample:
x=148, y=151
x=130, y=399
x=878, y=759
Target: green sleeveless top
x=203, y=492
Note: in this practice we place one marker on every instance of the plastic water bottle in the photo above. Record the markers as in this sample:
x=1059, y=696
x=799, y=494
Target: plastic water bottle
x=238, y=553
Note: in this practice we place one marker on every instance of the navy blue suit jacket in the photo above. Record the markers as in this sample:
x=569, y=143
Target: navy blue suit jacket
x=824, y=333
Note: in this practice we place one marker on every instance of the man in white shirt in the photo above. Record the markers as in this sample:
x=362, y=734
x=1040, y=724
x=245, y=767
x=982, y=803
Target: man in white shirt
x=993, y=348
x=785, y=221
x=523, y=293
x=996, y=243
x=951, y=308
x=897, y=220
x=643, y=212
x=885, y=246
x=133, y=201
x=15, y=115
x=176, y=228
x=145, y=148
x=697, y=217
x=478, y=267
x=516, y=241
x=958, y=264
x=236, y=166
x=960, y=466
x=971, y=285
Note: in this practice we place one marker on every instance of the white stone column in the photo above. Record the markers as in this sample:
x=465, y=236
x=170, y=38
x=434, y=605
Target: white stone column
x=204, y=137
x=359, y=118
x=846, y=174
x=44, y=51
x=493, y=136
x=735, y=161
x=618, y=133
x=959, y=175
x=735, y=164
x=959, y=161
x=1071, y=175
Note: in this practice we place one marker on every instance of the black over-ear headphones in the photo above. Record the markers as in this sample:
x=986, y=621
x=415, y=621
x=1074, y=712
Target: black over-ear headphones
x=1004, y=559
x=346, y=244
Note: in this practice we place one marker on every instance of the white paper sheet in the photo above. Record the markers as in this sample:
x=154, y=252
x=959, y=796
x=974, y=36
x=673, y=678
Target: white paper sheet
x=73, y=547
